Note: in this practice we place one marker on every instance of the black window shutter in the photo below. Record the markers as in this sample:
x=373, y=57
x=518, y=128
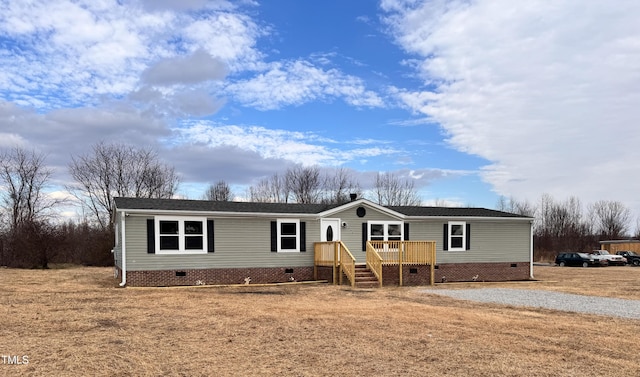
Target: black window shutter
x=364, y=236
x=468, y=236
x=274, y=236
x=406, y=231
x=151, y=236
x=210, y=245
x=303, y=236
x=445, y=237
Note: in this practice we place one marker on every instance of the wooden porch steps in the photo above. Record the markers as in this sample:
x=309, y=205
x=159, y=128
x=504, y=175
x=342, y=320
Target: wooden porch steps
x=365, y=278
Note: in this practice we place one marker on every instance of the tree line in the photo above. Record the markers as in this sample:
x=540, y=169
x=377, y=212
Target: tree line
x=568, y=225
x=32, y=235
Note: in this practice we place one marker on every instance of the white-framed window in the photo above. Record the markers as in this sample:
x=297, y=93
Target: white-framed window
x=288, y=235
x=180, y=235
x=385, y=230
x=457, y=236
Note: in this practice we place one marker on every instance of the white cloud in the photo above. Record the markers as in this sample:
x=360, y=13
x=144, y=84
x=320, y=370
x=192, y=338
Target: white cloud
x=546, y=91
x=298, y=82
x=230, y=37
x=10, y=140
x=78, y=52
x=193, y=69
x=297, y=147
x=182, y=5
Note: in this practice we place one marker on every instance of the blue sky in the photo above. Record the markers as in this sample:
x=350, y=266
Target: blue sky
x=471, y=99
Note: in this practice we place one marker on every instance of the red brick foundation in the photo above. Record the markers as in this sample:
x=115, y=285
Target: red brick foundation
x=452, y=272
x=325, y=273
x=411, y=275
x=217, y=276
x=482, y=272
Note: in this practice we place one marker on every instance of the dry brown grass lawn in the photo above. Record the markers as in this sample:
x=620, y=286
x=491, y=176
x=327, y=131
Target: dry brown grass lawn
x=76, y=322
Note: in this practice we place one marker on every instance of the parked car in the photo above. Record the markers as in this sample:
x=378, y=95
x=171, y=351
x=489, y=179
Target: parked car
x=617, y=260
x=579, y=259
x=631, y=256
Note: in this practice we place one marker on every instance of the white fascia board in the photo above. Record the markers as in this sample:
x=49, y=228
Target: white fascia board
x=467, y=218
x=359, y=202
x=151, y=212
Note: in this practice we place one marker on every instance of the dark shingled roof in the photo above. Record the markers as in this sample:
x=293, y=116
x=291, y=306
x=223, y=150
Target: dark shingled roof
x=293, y=208
x=451, y=212
x=217, y=206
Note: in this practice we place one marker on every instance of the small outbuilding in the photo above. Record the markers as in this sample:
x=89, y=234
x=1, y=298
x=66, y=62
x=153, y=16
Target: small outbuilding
x=613, y=246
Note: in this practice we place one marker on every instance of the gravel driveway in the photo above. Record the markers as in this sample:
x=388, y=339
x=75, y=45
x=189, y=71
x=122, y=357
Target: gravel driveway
x=546, y=299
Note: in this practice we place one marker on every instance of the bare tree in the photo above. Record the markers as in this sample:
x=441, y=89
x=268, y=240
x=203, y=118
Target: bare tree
x=119, y=170
x=270, y=190
x=394, y=191
x=610, y=218
x=305, y=184
x=518, y=207
x=561, y=226
x=220, y=192
x=339, y=186
x=24, y=175
x=30, y=240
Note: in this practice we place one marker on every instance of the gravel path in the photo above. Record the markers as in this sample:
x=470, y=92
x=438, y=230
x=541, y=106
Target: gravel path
x=546, y=299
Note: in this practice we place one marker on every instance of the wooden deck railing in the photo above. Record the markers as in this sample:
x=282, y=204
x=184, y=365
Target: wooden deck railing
x=374, y=262
x=347, y=265
x=326, y=254
x=402, y=253
x=336, y=255
x=331, y=254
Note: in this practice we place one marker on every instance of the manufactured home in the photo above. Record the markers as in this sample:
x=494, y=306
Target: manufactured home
x=167, y=242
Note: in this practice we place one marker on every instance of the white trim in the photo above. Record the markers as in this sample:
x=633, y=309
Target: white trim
x=218, y=214
x=147, y=212
x=385, y=228
x=463, y=224
x=531, y=253
x=360, y=202
x=279, y=235
x=123, y=250
x=337, y=230
x=470, y=218
x=181, y=234
x=117, y=231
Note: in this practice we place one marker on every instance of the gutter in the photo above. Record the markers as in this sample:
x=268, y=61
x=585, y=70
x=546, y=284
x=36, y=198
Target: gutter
x=123, y=250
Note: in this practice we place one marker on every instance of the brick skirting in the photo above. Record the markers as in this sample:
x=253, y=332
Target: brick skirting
x=450, y=272
x=482, y=272
x=411, y=275
x=217, y=276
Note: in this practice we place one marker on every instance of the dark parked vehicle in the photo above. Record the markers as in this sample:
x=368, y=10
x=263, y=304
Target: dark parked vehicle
x=632, y=257
x=578, y=259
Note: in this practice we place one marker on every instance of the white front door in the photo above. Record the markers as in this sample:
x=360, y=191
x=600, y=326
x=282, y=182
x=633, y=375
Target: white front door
x=329, y=230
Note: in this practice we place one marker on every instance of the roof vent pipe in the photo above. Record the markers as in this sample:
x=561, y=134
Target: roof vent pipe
x=353, y=197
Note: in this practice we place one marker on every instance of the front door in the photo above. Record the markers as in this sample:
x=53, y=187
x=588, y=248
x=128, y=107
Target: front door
x=329, y=230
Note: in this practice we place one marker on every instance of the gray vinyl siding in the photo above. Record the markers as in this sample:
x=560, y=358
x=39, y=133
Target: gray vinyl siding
x=243, y=242
x=351, y=235
x=491, y=241
x=239, y=242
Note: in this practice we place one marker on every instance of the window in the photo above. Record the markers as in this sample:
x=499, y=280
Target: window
x=288, y=235
x=176, y=235
x=457, y=236
x=385, y=231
